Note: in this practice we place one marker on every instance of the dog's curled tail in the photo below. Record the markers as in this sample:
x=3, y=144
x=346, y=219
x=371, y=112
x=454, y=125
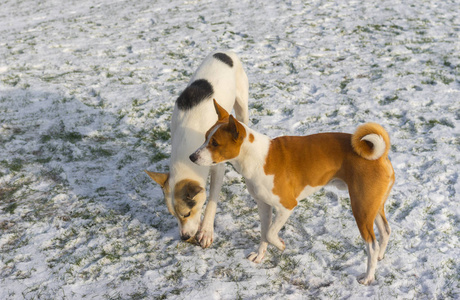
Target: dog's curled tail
x=371, y=141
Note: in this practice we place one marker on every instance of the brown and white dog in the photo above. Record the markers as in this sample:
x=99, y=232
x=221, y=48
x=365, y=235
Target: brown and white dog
x=220, y=75
x=279, y=172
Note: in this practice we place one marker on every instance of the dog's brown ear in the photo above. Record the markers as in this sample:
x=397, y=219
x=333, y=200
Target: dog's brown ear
x=233, y=126
x=193, y=189
x=222, y=114
x=160, y=178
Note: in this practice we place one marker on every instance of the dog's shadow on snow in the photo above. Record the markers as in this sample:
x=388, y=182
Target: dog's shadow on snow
x=98, y=153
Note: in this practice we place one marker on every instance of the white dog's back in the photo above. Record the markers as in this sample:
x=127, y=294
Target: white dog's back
x=220, y=76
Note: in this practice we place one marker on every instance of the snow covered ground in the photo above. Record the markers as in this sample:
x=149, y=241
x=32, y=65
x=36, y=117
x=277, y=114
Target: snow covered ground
x=86, y=94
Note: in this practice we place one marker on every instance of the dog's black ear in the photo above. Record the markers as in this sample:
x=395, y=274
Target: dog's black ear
x=233, y=126
x=222, y=114
x=193, y=189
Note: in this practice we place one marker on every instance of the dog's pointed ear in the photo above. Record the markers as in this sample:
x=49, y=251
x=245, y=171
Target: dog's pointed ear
x=193, y=189
x=233, y=126
x=160, y=178
x=222, y=114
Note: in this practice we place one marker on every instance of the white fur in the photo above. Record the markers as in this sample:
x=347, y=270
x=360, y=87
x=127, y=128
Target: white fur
x=384, y=235
x=372, y=250
x=379, y=145
x=307, y=191
x=204, y=157
x=250, y=163
x=188, y=128
x=339, y=184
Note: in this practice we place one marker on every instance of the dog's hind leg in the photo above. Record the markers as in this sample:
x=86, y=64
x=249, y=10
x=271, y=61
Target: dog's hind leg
x=242, y=95
x=205, y=235
x=372, y=249
x=365, y=206
x=382, y=224
x=384, y=232
x=241, y=112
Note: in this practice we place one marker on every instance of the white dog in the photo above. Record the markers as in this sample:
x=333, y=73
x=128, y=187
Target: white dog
x=220, y=76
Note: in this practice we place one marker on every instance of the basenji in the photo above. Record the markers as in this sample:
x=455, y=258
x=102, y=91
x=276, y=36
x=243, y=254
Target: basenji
x=281, y=171
x=220, y=75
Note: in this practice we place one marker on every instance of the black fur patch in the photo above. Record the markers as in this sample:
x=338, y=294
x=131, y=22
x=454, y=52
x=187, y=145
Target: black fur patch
x=224, y=58
x=195, y=93
x=190, y=202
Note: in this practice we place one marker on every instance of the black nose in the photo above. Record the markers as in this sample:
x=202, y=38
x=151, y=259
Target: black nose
x=193, y=157
x=185, y=237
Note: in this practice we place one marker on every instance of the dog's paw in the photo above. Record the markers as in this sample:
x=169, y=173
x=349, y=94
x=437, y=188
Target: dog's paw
x=282, y=245
x=205, y=238
x=277, y=242
x=366, y=280
x=256, y=257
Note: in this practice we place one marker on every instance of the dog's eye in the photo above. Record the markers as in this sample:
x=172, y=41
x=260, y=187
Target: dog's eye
x=214, y=143
x=187, y=215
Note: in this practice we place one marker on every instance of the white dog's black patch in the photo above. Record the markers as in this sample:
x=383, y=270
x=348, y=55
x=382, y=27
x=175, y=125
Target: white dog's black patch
x=195, y=93
x=224, y=58
x=190, y=202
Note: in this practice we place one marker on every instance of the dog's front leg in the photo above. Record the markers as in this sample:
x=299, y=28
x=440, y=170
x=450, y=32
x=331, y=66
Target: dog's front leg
x=265, y=214
x=205, y=235
x=282, y=214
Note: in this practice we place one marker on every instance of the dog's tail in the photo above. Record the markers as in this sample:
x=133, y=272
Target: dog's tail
x=371, y=141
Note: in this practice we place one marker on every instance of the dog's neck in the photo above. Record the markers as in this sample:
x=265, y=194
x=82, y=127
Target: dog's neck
x=251, y=159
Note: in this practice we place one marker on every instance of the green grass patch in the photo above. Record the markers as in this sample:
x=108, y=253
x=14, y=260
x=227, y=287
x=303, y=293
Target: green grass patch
x=161, y=134
x=11, y=80
x=257, y=106
x=344, y=83
x=15, y=165
x=10, y=208
x=333, y=246
x=50, y=78
x=388, y=100
x=156, y=113
x=98, y=151
x=71, y=136
x=158, y=156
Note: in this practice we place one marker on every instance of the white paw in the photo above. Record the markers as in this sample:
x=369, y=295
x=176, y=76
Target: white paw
x=256, y=257
x=366, y=280
x=205, y=238
x=277, y=242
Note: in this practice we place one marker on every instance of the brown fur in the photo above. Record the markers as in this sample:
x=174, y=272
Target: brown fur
x=297, y=162
x=186, y=190
x=160, y=178
x=185, y=193
x=365, y=148
x=231, y=132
